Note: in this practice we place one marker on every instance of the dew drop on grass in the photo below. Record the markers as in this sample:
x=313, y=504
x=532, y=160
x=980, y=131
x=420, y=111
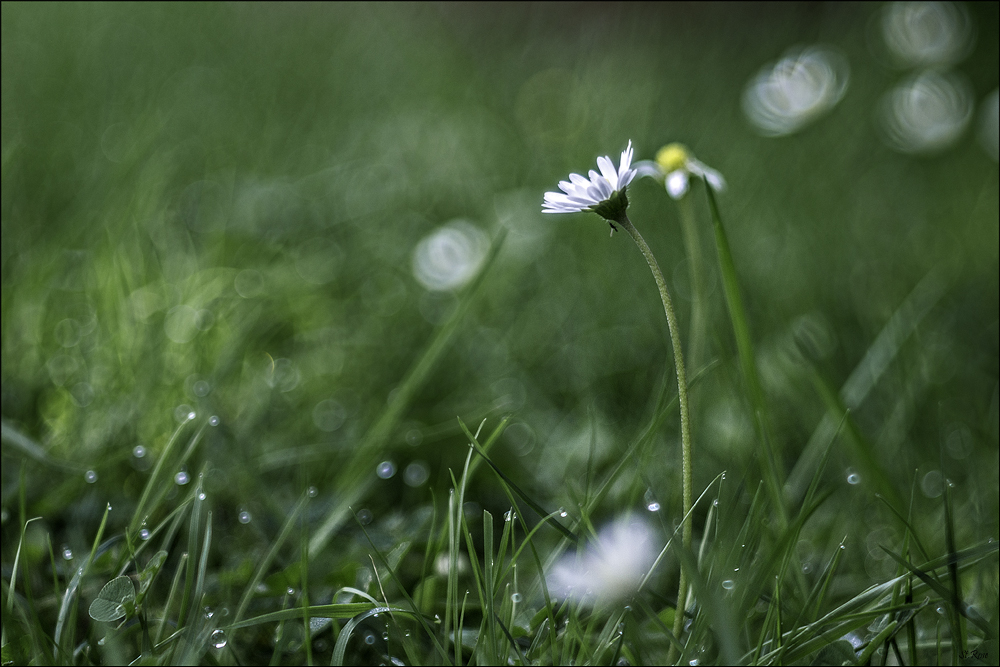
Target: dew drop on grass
x=853, y=477
x=416, y=474
x=144, y=534
x=729, y=584
x=653, y=506
x=201, y=388
x=213, y=420
x=201, y=495
x=181, y=478
x=365, y=517
x=369, y=638
x=245, y=517
x=563, y=513
x=218, y=639
x=312, y=491
x=90, y=476
x=385, y=636
x=67, y=553
x=291, y=591
x=515, y=598
x=138, y=451
x=386, y=469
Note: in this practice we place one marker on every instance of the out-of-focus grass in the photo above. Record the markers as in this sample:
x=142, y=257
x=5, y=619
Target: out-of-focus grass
x=214, y=209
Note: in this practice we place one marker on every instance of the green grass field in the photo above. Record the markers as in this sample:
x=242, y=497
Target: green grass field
x=296, y=371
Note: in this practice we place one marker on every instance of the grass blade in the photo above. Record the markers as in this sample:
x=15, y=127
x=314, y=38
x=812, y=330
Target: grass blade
x=744, y=347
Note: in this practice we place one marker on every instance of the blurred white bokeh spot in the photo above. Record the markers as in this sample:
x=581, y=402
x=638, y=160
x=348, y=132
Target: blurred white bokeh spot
x=611, y=568
x=989, y=125
x=786, y=96
x=926, y=113
x=927, y=33
x=450, y=256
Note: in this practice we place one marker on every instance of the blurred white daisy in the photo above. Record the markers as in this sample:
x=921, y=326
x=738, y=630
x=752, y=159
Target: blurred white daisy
x=603, y=193
x=611, y=569
x=675, y=165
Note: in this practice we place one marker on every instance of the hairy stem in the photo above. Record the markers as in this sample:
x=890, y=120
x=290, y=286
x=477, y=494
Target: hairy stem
x=682, y=399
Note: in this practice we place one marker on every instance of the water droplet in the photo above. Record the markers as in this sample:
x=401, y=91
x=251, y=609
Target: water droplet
x=386, y=469
x=181, y=478
x=201, y=388
x=245, y=517
x=209, y=613
x=653, y=507
x=807, y=568
x=509, y=515
x=183, y=413
x=694, y=662
x=369, y=638
x=143, y=534
x=67, y=553
x=138, y=451
x=715, y=503
x=843, y=546
x=729, y=584
x=109, y=507
x=940, y=609
x=416, y=474
x=365, y=517
x=563, y=513
x=515, y=598
x=291, y=591
x=90, y=476
x=853, y=477
x=213, y=420
x=218, y=639
x=385, y=636
x=312, y=491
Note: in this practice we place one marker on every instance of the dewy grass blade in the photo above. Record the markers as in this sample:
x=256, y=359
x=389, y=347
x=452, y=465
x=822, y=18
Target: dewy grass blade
x=414, y=609
x=355, y=478
x=67, y=610
x=159, y=481
x=509, y=482
x=488, y=585
x=286, y=529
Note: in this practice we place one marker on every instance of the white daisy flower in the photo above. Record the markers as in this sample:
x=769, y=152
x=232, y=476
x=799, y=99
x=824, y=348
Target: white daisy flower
x=603, y=194
x=675, y=165
x=611, y=569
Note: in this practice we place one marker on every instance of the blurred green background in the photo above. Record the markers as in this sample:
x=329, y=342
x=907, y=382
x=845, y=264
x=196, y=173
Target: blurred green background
x=264, y=214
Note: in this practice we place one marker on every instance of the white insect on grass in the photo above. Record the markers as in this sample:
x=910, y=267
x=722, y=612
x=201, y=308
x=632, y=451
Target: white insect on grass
x=611, y=568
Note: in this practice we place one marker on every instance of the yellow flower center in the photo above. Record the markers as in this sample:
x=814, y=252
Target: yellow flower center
x=672, y=157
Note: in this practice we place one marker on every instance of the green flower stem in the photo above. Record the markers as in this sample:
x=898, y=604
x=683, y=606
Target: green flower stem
x=692, y=248
x=682, y=399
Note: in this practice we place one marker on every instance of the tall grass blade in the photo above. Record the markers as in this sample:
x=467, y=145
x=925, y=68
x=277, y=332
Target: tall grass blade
x=870, y=369
x=774, y=477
